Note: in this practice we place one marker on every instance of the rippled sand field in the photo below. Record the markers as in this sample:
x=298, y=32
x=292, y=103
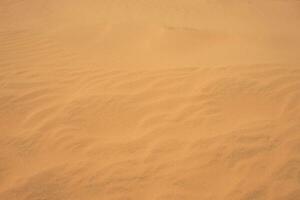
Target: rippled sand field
x=150, y=100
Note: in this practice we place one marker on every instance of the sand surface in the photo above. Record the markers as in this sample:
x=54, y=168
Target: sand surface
x=149, y=100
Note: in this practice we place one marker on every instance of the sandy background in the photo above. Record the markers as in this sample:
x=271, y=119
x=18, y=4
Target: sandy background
x=149, y=99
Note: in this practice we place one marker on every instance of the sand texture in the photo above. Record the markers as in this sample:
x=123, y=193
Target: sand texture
x=149, y=100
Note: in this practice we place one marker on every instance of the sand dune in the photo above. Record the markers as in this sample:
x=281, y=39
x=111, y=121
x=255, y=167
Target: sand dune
x=149, y=100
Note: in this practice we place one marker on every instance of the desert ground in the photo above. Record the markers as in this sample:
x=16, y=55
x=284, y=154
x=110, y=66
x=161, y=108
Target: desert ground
x=150, y=100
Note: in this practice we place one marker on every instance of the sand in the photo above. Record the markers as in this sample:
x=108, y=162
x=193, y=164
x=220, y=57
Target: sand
x=150, y=100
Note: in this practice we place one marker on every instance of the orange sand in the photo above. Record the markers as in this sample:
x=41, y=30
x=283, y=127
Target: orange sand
x=150, y=100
